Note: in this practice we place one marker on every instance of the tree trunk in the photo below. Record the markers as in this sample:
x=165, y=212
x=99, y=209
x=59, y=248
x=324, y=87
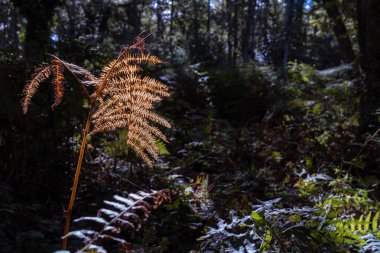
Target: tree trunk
x=196, y=25
x=236, y=31
x=288, y=29
x=368, y=13
x=208, y=17
x=136, y=18
x=298, y=35
x=171, y=30
x=265, y=43
x=341, y=34
x=230, y=30
x=160, y=25
x=37, y=36
x=196, y=53
x=248, y=50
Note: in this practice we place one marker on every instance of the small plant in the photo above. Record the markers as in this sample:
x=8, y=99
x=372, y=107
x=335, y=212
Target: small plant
x=122, y=98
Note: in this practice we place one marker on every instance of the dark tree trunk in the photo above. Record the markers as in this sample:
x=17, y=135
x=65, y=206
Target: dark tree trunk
x=265, y=43
x=288, y=29
x=230, y=31
x=160, y=24
x=248, y=49
x=340, y=31
x=28, y=142
x=171, y=30
x=103, y=24
x=38, y=13
x=136, y=17
x=196, y=25
x=298, y=34
x=196, y=50
x=368, y=12
x=13, y=28
x=208, y=17
x=236, y=31
x=133, y=14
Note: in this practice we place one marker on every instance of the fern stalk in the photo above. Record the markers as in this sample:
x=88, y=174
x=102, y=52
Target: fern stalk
x=76, y=178
x=82, y=150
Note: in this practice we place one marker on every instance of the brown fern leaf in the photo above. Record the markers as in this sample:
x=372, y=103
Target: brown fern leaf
x=139, y=44
x=55, y=68
x=127, y=100
x=40, y=75
x=87, y=77
x=57, y=82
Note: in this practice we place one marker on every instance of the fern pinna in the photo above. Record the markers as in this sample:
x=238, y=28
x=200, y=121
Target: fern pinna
x=122, y=98
x=122, y=213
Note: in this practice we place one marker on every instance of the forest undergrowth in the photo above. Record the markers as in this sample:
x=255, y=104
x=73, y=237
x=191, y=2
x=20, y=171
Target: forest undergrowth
x=248, y=171
x=254, y=173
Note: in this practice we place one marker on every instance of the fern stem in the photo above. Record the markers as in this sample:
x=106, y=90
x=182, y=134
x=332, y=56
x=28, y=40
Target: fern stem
x=81, y=154
x=76, y=178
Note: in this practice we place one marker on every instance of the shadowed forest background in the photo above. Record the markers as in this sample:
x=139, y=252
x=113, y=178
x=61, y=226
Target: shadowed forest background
x=274, y=144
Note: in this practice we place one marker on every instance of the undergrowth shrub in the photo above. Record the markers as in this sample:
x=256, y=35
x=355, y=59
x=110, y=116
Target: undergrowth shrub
x=345, y=221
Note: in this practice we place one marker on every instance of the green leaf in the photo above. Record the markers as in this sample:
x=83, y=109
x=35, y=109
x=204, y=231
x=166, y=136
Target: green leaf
x=295, y=218
x=305, y=79
x=162, y=150
x=256, y=216
x=352, y=225
x=317, y=108
x=265, y=245
x=360, y=223
x=367, y=221
x=309, y=162
x=375, y=226
x=276, y=156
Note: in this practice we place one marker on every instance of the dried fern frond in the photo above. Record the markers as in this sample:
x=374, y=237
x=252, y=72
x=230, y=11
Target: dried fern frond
x=40, y=75
x=55, y=68
x=126, y=100
x=122, y=98
x=122, y=213
x=87, y=77
x=57, y=82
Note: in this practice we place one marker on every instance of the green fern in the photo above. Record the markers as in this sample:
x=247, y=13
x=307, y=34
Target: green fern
x=351, y=230
x=162, y=150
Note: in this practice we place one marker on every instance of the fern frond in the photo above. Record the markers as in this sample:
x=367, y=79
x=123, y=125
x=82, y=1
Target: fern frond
x=57, y=82
x=123, y=213
x=40, y=75
x=88, y=78
x=55, y=68
x=140, y=58
x=126, y=100
x=372, y=244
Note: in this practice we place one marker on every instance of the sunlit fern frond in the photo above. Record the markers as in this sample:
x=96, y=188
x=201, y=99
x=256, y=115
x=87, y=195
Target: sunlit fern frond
x=87, y=77
x=127, y=64
x=55, y=70
x=40, y=75
x=127, y=99
x=57, y=82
